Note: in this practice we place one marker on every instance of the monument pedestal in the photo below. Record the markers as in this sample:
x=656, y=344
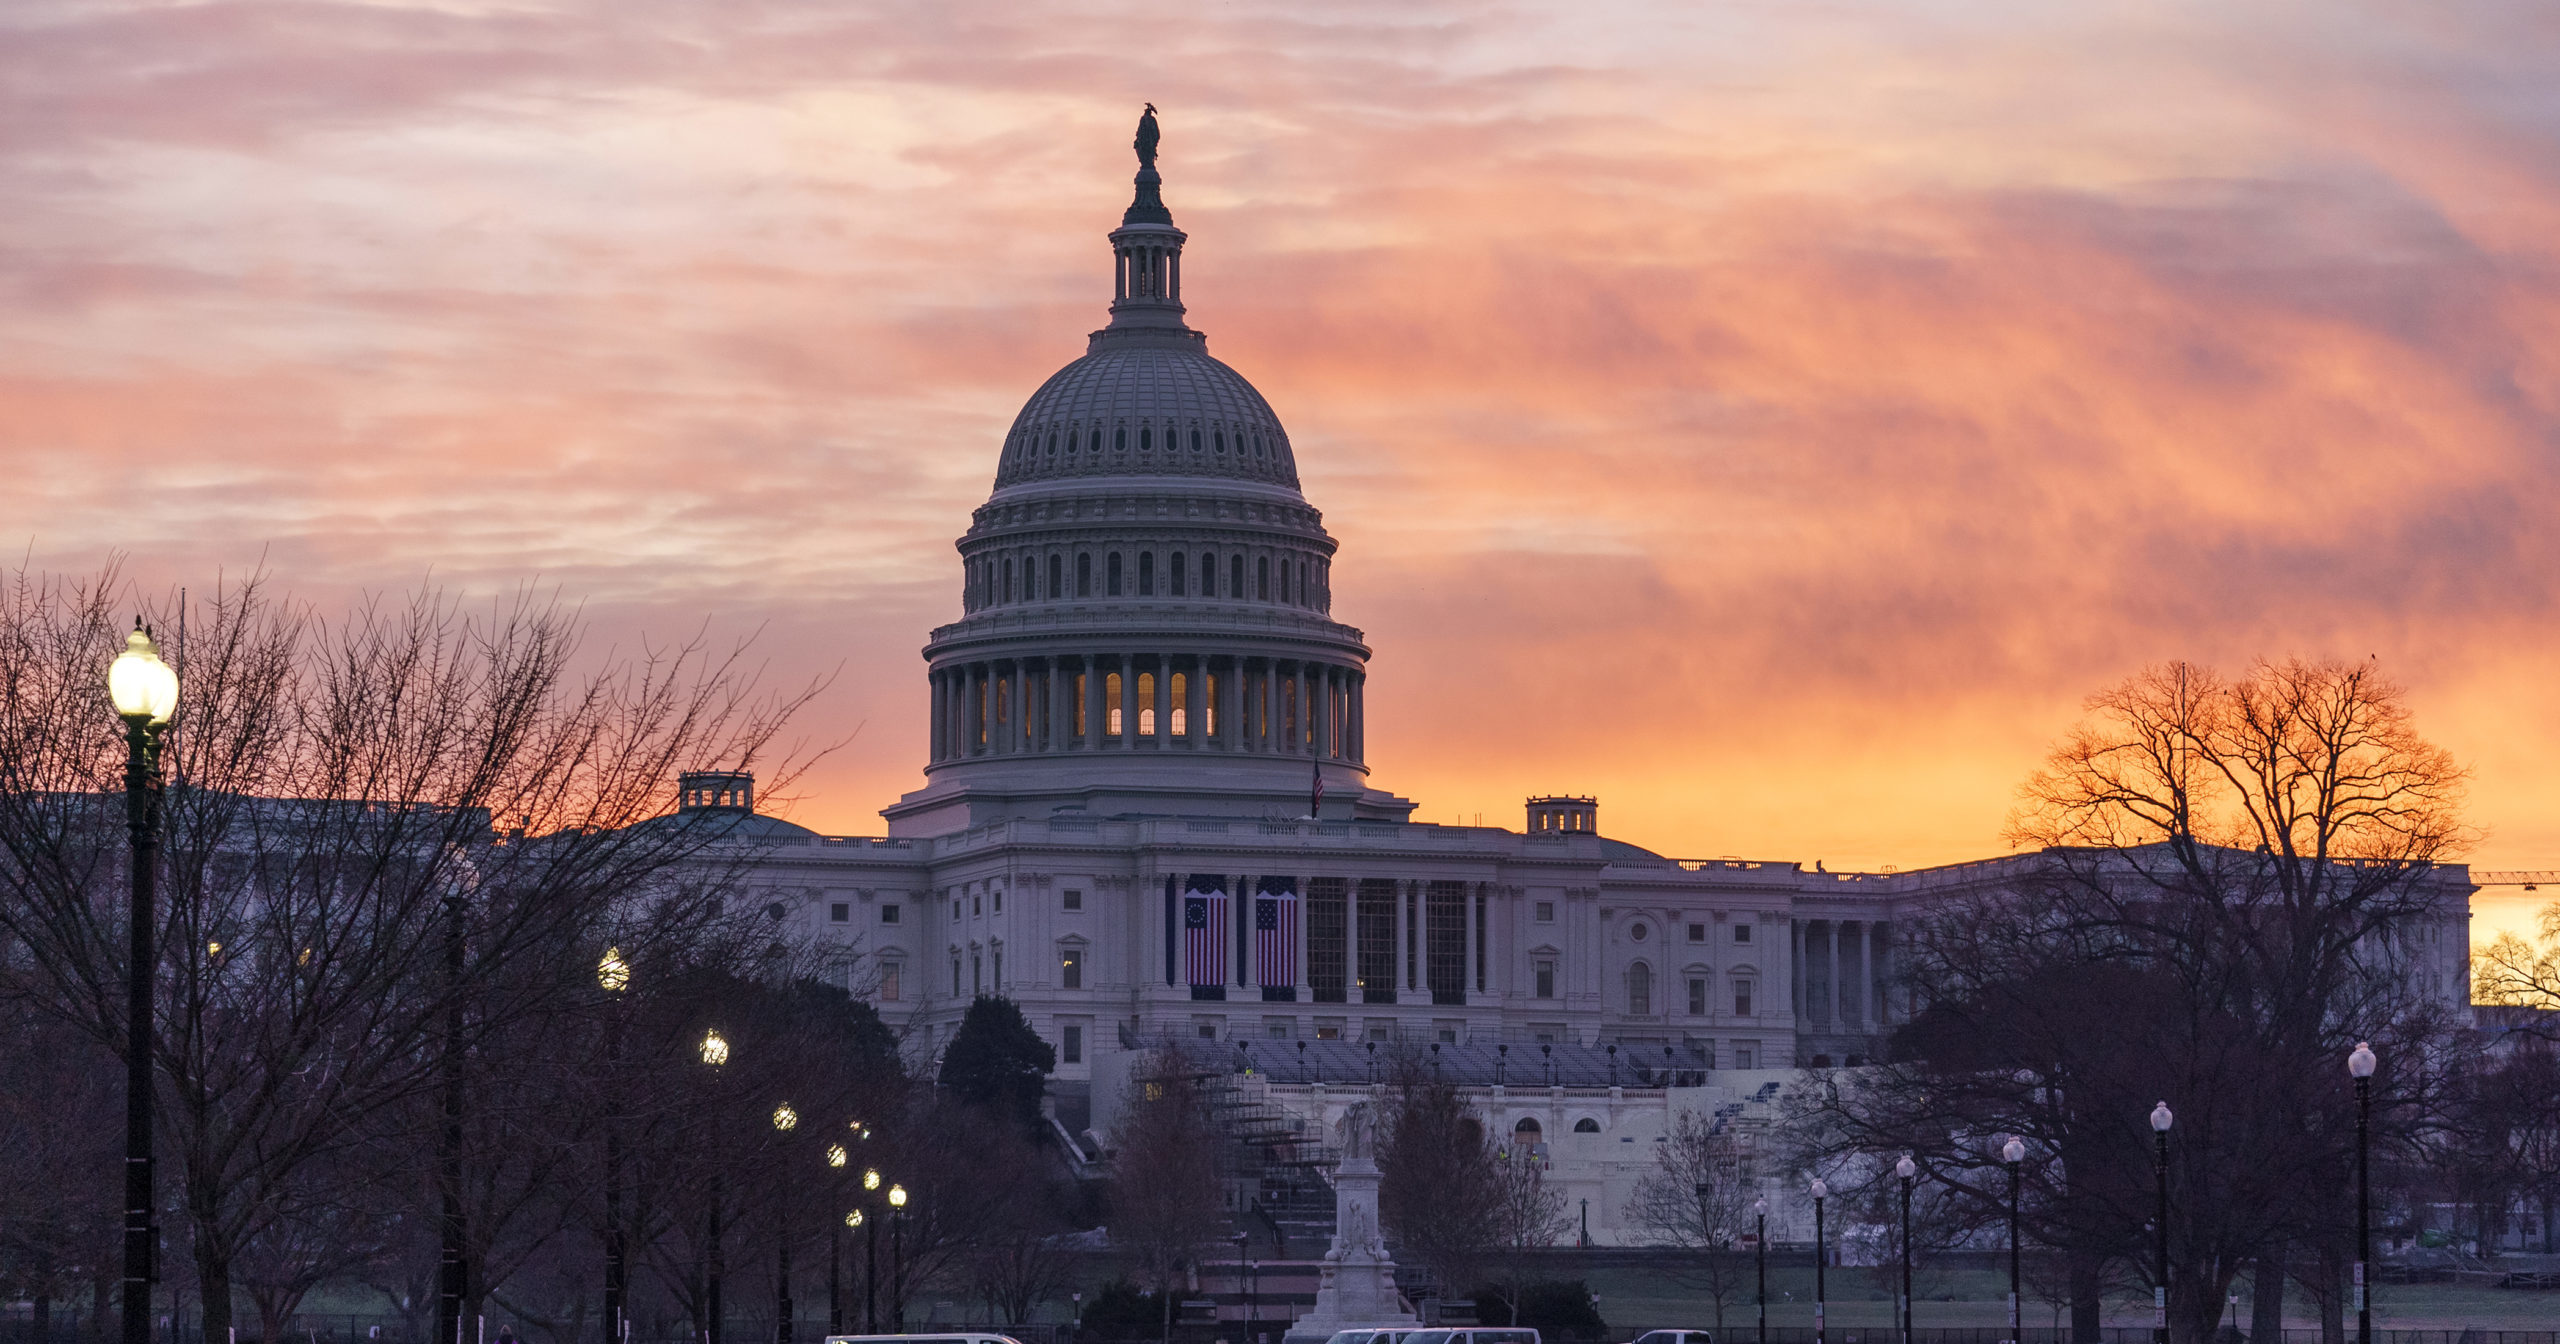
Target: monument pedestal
x=1358, y=1284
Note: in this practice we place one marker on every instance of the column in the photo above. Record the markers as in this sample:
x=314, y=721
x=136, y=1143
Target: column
x=1061, y=709
x=1269, y=738
x=1025, y=736
x=1351, y=942
x=941, y=726
x=1000, y=721
x=1831, y=991
x=1195, y=700
x=1467, y=972
x=1128, y=700
x=1303, y=987
x=1094, y=718
x=1795, y=970
x=1359, y=716
x=1164, y=701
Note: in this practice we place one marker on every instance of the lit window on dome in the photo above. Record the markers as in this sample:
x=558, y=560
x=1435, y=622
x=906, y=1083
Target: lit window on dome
x=1111, y=704
x=1181, y=705
x=1146, y=704
x=1209, y=704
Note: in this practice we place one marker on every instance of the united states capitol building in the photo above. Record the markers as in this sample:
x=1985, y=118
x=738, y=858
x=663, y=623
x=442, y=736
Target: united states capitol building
x=1148, y=813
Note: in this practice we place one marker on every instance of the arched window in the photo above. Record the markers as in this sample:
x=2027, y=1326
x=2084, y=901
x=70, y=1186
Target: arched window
x=1209, y=704
x=1146, y=439
x=1097, y=440
x=1053, y=445
x=1639, y=990
x=1586, y=1125
x=1055, y=562
x=1084, y=576
x=1120, y=440
x=1176, y=576
x=1146, y=572
x=1146, y=704
x=1528, y=1130
x=1111, y=704
x=1111, y=575
x=1218, y=442
x=1181, y=691
x=1257, y=445
x=1195, y=440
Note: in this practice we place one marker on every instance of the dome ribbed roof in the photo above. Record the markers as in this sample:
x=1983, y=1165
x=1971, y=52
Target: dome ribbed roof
x=1147, y=409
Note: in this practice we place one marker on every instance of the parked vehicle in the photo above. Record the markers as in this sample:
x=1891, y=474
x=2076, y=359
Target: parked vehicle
x=967, y=1338
x=1676, y=1337
x=1493, y=1334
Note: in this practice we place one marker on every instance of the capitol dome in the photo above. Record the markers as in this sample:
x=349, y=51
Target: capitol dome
x=1146, y=597
x=1146, y=407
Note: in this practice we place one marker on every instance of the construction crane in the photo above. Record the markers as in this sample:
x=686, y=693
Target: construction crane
x=2527, y=879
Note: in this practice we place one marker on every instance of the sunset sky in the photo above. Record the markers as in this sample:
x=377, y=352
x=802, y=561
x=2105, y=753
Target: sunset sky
x=1772, y=418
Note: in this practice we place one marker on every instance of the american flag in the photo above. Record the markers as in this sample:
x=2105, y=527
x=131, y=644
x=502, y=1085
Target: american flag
x=1275, y=935
x=1204, y=914
x=1315, y=802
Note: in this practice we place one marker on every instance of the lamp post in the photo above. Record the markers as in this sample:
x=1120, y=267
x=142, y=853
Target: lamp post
x=2160, y=1121
x=1760, y=1235
x=1248, y=1314
x=1906, y=1169
x=870, y=1253
x=145, y=693
x=1586, y=1224
x=1821, y=1192
x=785, y=1120
x=2012, y=1153
x=613, y=976
x=897, y=1260
x=2360, y=1066
x=715, y=1052
x=836, y=1158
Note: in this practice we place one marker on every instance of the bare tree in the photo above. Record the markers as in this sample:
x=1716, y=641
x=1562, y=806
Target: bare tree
x=1528, y=1216
x=1165, y=1194
x=347, y=795
x=1440, y=1190
x=2230, y=887
x=2522, y=972
x=1698, y=1196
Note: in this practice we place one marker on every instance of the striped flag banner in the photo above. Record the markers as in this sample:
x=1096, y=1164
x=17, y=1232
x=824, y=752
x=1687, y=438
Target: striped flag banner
x=1204, y=917
x=1275, y=932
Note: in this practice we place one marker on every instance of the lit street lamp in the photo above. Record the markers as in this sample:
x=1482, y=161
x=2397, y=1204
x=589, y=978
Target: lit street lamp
x=145, y=693
x=715, y=1052
x=2360, y=1067
x=613, y=976
x=2160, y=1121
x=870, y=1254
x=2013, y=1152
x=897, y=1260
x=1821, y=1192
x=1760, y=1217
x=1906, y=1169
x=785, y=1120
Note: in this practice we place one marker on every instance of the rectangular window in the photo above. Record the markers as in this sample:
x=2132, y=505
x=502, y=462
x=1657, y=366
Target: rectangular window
x=1146, y=704
x=1071, y=969
x=1071, y=1045
x=955, y=909
x=1146, y=573
x=1084, y=576
x=977, y=974
x=999, y=900
x=1444, y=952
x=1697, y=933
x=1180, y=693
x=1177, y=575
x=977, y=905
x=1697, y=996
x=888, y=982
x=1328, y=1031
x=1209, y=702
x=1262, y=578
x=1111, y=704
x=1327, y=938
x=1745, y=1055
x=1377, y=935
x=1280, y=1028
x=840, y=913
x=1111, y=575
x=955, y=977
x=1546, y=912
x=1545, y=975
x=1742, y=933
x=888, y=914
x=1742, y=1000
x=1073, y=900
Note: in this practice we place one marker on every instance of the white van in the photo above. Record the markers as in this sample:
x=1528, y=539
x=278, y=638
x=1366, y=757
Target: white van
x=1487, y=1334
x=971, y=1337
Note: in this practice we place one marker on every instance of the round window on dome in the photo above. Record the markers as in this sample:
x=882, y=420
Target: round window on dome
x=1146, y=439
